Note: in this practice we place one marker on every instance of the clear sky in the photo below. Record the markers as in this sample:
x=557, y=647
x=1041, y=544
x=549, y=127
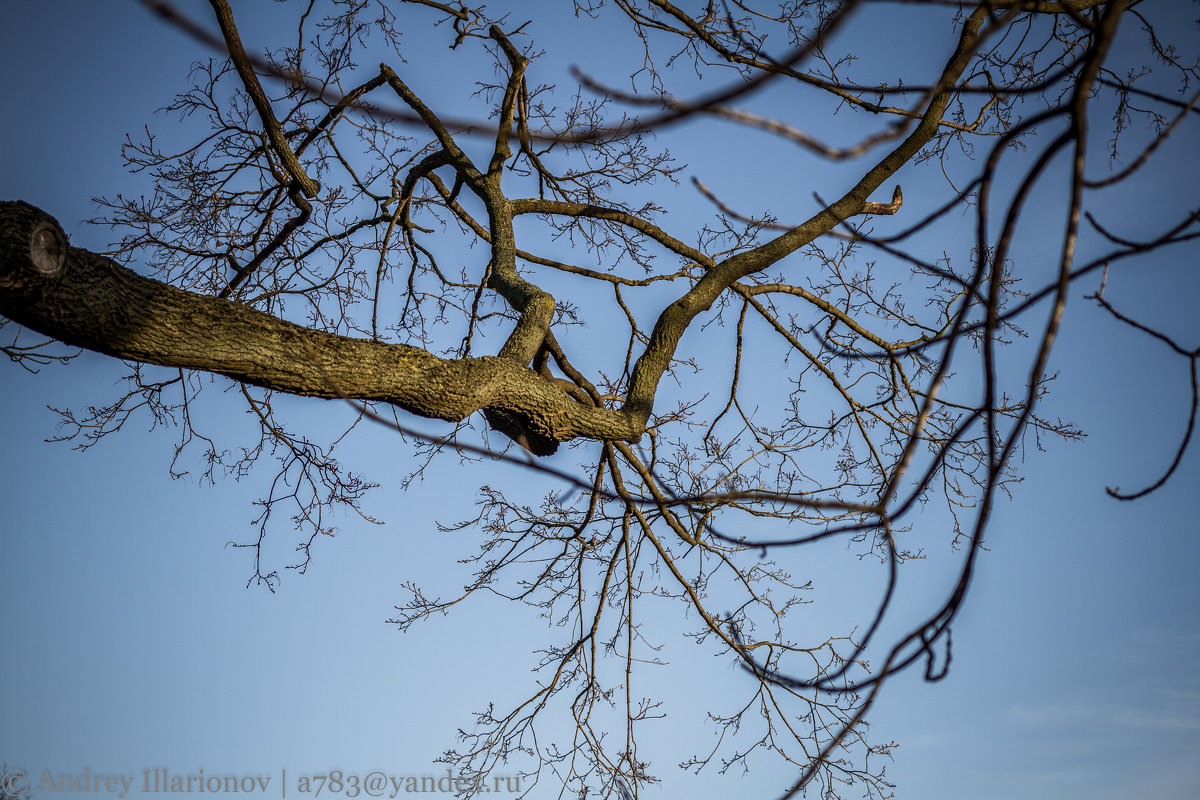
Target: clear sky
x=130, y=643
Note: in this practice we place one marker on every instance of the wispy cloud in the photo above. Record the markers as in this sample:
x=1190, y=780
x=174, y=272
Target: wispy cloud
x=1104, y=717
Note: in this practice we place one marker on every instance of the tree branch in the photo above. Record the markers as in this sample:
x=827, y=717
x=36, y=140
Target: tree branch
x=237, y=54
x=87, y=300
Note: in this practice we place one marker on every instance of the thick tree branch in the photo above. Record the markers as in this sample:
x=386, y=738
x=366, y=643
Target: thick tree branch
x=87, y=300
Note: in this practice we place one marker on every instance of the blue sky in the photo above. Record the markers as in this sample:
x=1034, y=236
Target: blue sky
x=131, y=643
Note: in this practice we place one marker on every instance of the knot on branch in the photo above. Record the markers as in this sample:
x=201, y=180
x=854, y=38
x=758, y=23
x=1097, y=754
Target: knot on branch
x=33, y=256
x=33, y=248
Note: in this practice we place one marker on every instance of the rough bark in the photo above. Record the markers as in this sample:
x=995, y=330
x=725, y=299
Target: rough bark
x=87, y=300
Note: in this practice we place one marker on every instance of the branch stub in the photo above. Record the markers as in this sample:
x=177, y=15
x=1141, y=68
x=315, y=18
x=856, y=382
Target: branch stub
x=47, y=250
